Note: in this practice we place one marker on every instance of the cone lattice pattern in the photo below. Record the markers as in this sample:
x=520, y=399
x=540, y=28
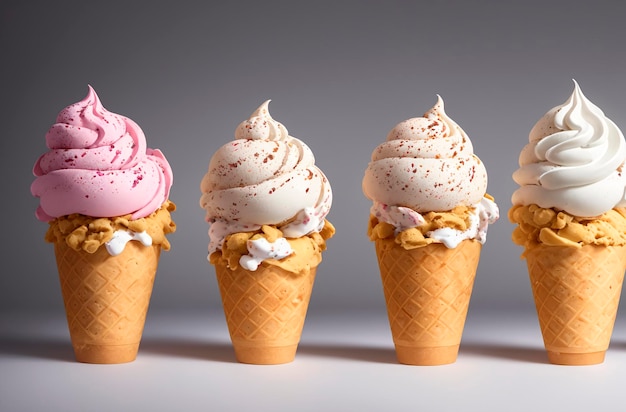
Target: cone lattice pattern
x=427, y=291
x=576, y=293
x=264, y=308
x=106, y=298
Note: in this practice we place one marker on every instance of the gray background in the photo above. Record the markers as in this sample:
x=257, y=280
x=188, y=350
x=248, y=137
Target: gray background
x=340, y=75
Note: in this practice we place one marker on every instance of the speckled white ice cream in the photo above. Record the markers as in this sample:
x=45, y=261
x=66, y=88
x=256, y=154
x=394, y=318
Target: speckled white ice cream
x=427, y=164
x=264, y=177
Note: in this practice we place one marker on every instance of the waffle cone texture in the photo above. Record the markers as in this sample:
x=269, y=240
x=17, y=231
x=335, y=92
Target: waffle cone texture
x=106, y=299
x=265, y=311
x=427, y=293
x=576, y=293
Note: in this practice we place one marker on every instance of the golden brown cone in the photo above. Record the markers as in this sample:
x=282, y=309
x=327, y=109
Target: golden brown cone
x=576, y=292
x=265, y=311
x=427, y=292
x=106, y=299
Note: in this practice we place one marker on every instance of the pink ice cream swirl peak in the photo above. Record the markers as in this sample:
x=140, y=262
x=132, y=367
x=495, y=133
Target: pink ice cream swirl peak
x=264, y=177
x=98, y=165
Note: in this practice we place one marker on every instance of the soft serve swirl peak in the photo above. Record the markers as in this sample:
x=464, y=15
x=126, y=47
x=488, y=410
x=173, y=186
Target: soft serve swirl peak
x=573, y=161
x=98, y=165
x=264, y=177
x=426, y=164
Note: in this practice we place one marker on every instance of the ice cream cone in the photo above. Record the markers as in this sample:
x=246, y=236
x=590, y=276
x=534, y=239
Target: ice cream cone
x=106, y=299
x=577, y=292
x=427, y=291
x=265, y=311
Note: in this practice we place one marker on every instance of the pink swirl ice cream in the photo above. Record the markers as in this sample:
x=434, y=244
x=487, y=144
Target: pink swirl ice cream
x=264, y=177
x=98, y=165
x=427, y=164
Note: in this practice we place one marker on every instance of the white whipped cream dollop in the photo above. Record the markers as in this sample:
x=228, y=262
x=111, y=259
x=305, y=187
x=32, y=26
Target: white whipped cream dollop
x=573, y=161
x=262, y=249
x=120, y=238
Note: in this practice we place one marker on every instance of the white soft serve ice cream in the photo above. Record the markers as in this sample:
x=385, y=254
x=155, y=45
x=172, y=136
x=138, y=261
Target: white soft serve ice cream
x=428, y=164
x=264, y=177
x=573, y=161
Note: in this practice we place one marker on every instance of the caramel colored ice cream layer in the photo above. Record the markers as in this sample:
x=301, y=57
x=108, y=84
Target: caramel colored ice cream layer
x=88, y=233
x=457, y=218
x=553, y=227
x=307, y=250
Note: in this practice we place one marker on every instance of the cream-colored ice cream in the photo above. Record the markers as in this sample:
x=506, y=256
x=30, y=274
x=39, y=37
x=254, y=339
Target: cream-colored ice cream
x=427, y=164
x=571, y=180
x=573, y=161
x=264, y=177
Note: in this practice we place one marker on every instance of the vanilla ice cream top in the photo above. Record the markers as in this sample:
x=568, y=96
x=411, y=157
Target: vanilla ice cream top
x=427, y=164
x=264, y=177
x=573, y=161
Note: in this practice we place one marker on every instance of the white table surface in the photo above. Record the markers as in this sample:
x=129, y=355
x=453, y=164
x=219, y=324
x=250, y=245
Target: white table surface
x=345, y=362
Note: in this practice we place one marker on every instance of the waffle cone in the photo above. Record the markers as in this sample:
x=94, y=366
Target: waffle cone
x=265, y=311
x=427, y=292
x=576, y=292
x=106, y=299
